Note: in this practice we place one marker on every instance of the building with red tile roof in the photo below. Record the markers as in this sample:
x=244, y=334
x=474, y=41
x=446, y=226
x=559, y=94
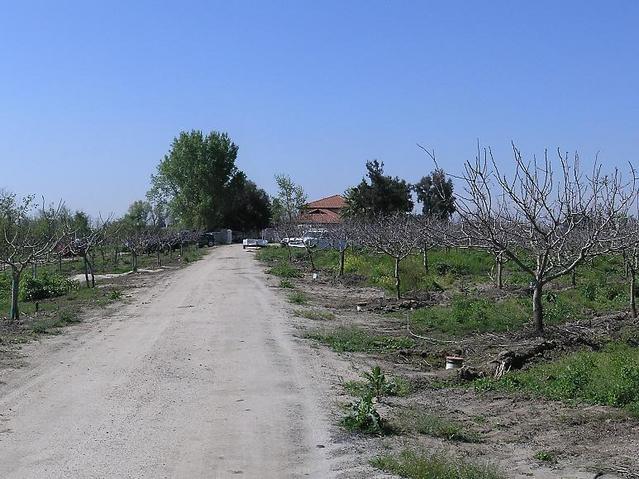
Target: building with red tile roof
x=323, y=211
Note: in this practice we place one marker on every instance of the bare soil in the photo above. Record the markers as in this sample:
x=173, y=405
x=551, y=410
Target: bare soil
x=586, y=441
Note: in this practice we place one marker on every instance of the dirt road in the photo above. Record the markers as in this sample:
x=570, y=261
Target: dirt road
x=199, y=377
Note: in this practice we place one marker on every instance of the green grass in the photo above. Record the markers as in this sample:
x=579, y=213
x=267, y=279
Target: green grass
x=284, y=270
x=426, y=465
x=421, y=422
x=358, y=340
x=298, y=297
x=50, y=324
x=609, y=377
x=285, y=283
x=314, y=314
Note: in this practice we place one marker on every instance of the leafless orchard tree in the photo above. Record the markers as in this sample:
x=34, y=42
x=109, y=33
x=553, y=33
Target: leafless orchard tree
x=395, y=235
x=25, y=238
x=83, y=246
x=341, y=237
x=545, y=222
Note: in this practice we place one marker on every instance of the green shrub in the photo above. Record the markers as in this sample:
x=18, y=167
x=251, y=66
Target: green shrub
x=285, y=283
x=608, y=377
x=44, y=286
x=363, y=417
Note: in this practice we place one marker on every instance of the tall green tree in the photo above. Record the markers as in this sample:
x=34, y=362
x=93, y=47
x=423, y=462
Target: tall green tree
x=195, y=178
x=380, y=195
x=248, y=207
x=435, y=193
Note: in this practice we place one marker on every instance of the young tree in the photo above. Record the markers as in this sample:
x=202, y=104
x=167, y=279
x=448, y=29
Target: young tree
x=545, y=223
x=83, y=243
x=381, y=195
x=435, y=193
x=25, y=239
x=396, y=235
x=341, y=237
x=289, y=201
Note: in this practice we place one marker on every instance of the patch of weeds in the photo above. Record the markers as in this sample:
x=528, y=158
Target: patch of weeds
x=436, y=426
x=285, y=283
x=359, y=340
x=45, y=325
x=609, y=377
x=284, y=270
x=298, y=297
x=314, y=314
x=546, y=456
x=363, y=417
x=425, y=465
x=115, y=295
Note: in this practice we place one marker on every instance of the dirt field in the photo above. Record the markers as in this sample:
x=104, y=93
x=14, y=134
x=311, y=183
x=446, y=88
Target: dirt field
x=580, y=441
x=197, y=375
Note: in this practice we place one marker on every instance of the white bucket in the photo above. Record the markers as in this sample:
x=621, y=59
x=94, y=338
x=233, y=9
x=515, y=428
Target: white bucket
x=454, y=362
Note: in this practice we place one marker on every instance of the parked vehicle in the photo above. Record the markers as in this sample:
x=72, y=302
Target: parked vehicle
x=206, y=239
x=254, y=242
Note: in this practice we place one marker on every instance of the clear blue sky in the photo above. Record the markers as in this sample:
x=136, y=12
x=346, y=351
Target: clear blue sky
x=92, y=93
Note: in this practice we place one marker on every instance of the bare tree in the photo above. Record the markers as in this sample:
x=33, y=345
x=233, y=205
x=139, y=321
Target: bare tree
x=396, y=235
x=545, y=223
x=83, y=244
x=341, y=237
x=25, y=239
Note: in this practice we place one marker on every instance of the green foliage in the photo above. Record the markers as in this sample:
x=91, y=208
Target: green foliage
x=297, y=297
x=199, y=180
x=435, y=193
x=363, y=417
x=608, y=377
x=289, y=201
x=545, y=456
x=426, y=465
x=285, y=270
x=44, y=286
x=359, y=340
x=382, y=195
x=115, y=295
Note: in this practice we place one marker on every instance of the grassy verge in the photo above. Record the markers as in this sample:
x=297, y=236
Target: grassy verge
x=425, y=465
x=359, y=340
x=609, y=377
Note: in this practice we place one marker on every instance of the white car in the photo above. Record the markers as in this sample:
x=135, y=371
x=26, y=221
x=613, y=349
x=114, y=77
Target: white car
x=259, y=243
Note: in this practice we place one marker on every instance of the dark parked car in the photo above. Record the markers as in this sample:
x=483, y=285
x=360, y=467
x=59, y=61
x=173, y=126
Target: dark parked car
x=206, y=239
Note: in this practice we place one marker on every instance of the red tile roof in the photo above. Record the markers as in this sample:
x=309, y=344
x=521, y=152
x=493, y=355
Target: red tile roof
x=330, y=202
x=320, y=216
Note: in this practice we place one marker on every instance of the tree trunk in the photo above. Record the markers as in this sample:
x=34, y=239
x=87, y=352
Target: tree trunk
x=573, y=277
x=86, y=270
x=538, y=313
x=500, y=272
x=134, y=261
x=342, y=255
x=158, y=257
x=181, y=249
x=15, y=290
x=91, y=271
x=60, y=263
x=633, y=300
x=425, y=258
x=34, y=268
x=116, y=256
x=309, y=253
x=397, y=280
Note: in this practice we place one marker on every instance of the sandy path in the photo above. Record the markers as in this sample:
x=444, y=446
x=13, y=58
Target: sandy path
x=200, y=378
